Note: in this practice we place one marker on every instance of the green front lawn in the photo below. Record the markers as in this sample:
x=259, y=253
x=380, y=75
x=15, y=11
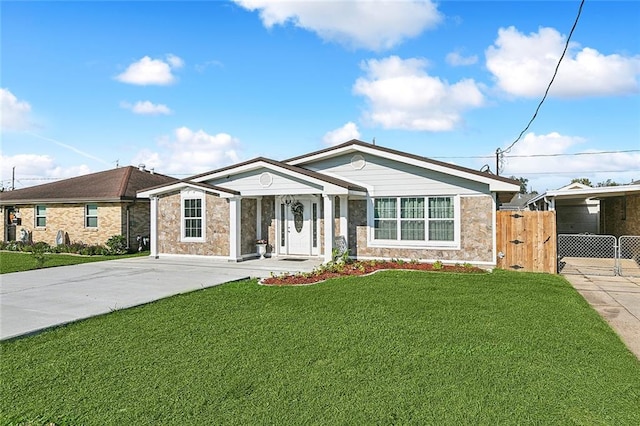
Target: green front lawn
x=22, y=261
x=391, y=348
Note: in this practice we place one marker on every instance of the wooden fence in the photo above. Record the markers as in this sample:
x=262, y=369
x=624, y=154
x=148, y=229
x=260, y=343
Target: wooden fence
x=526, y=241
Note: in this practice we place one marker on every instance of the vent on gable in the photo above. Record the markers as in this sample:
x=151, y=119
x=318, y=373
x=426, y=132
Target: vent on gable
x=266, y=179
x=358, y=162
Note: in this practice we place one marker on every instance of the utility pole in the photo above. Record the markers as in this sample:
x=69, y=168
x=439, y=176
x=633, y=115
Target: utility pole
x=498, y=162
x=13, y=178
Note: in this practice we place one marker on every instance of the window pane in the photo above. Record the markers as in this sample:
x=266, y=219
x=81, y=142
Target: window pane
x=92, y=210
x=441, y=208
x=193, y=228
x=412, y=208
x=92, y=222
x=441, y=230
x=193, y=208
x=412, y=230
x=41, y=221
x=385, y=230
x=41, y=210
x=384, y=208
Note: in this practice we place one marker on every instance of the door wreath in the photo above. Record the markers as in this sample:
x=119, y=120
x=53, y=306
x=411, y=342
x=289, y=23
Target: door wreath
x=297, y=208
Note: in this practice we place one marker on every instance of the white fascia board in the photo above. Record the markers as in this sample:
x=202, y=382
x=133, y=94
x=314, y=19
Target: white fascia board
x=494, y=185
x=605, y=191
x=327, y=154
x=329, y=188
x=178, y=186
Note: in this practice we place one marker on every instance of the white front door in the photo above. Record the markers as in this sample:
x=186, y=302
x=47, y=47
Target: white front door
x=298, y=228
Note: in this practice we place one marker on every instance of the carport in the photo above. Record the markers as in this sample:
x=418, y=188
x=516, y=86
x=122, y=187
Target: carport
x=598, y=228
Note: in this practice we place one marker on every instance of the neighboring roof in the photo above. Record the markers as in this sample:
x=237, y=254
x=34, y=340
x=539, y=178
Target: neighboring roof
x=357, y=145
x=110, y=185
x=267, y=162
x=518, y=201
x=588, y=192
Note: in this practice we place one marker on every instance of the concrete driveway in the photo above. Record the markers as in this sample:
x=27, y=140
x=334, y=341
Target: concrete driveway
x=617, y=300
x=35, y=300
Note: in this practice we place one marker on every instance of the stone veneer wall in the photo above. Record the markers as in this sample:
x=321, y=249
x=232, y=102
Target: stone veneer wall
x=248, y=226
x=612, y=212
x=216, y=222
x=476, y=234
x=70, y=219
x=268, y=223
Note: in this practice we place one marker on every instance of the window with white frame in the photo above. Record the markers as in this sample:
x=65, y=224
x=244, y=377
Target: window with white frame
x=414, y=219
x=91, y=216
x=192, y=216
x=41, y=216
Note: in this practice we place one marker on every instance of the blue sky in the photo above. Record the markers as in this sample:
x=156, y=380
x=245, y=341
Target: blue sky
x=186, y=87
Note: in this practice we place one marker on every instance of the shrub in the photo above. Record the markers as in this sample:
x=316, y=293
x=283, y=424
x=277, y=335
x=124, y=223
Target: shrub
x=437, y=265
x=117, y=244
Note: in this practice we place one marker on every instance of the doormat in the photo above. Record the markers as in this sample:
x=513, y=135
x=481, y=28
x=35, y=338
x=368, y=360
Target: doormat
x=294, y=259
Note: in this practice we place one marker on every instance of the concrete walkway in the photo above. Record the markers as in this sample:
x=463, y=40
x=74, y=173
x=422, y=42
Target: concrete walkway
x=617, y=300
x=32, y=301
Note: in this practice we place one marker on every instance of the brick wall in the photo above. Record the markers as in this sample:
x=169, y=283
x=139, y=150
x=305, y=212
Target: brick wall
x=248, y=226
x=620, y=215
x=70, y=219
x=216, y=222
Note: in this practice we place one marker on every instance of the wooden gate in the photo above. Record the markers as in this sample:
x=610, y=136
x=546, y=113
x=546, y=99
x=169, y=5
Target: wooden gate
x=526, y=241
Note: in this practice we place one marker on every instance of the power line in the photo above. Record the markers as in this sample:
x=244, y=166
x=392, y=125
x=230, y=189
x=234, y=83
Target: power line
x=540, y=155
x=499, y=152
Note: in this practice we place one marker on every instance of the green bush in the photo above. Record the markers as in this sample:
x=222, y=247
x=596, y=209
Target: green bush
x=117, y=244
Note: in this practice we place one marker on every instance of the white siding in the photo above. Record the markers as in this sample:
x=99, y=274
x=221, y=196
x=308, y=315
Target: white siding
x=387, y=177
x=249, y=184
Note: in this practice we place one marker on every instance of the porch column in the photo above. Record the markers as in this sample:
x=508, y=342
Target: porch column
x=235, y=212
x=154, y=227
x=329, y=207
x=259, y=218
x=344, y=218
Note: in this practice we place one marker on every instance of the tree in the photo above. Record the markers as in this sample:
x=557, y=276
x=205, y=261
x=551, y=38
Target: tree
x=584, y=181
x=523, y=183
x=607, y=182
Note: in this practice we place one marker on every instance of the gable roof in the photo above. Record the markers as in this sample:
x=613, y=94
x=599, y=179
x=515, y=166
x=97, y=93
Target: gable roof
x=185, y=183
x=359, y=146
x=275, y=165
x=118, y=184
x=588, y=192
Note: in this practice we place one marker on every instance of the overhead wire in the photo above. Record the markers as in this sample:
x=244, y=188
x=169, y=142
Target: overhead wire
x=500, y=152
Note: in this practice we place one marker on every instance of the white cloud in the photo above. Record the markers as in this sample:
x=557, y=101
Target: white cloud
x=35, y=169
x=402, y=95
x=523, y=65
x=190, y=152
x=148, y=71
x=456, y=59
x=147, y=108
x=373, y=24
x=15, y=113
x=554, y=172
x=342, y=134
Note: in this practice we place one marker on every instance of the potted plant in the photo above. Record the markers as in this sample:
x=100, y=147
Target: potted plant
x=261, y=246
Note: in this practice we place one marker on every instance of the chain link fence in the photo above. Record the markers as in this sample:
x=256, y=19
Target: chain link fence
x=629, y=256
x=587, y=254
x=599, y=255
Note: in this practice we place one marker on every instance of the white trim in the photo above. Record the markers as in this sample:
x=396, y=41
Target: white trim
x=416, y=244
x=444, y=261
x=494, y=221
x=258, y=218
x=154, y=226
x=344, y=218
x=190, y=194
x=182, y=186
x=257, y=165
x=235, y=221
x=329, y=208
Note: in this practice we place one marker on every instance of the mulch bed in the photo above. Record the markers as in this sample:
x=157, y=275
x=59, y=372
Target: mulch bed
x=363, y=268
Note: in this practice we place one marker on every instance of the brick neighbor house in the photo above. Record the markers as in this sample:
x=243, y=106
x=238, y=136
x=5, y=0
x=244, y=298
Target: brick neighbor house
x=88, y=209
x=377, y=202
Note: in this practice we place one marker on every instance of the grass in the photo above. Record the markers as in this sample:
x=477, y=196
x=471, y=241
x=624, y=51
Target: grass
x=392, y=348
x=22, y=261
